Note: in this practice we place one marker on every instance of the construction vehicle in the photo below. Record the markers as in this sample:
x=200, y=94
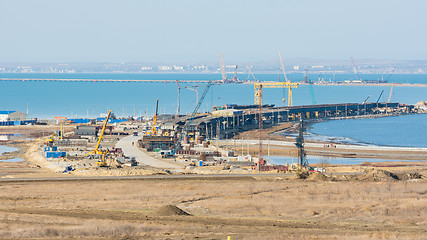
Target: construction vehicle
x=97, y=151
x=154, y=127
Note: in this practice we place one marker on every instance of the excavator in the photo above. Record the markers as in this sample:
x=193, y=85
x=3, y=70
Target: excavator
x=97, y=150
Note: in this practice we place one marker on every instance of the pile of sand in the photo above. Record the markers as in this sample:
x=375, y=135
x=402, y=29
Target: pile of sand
x=317, y=176
x=377, y=175
x=171, y=210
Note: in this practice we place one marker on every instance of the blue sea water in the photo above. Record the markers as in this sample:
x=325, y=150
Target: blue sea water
x=82, y=99
x=90, y=99
x=406, y=131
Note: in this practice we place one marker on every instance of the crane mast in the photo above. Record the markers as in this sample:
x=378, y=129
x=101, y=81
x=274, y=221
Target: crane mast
x=221, y=62
x=354, y=68
x=179, y=93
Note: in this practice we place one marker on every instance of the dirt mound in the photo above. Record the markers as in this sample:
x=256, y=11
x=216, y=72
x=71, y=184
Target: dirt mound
x=377, y=175
x=317, y=176
x=171, y=210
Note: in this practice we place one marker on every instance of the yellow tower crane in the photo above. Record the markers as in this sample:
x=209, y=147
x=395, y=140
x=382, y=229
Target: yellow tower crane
x=290, y=86
x=259, y=86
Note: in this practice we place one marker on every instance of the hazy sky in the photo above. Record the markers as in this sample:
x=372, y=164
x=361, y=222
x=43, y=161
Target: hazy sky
x=197, y=30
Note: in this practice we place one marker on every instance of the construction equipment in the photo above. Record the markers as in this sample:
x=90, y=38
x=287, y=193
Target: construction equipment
x=290, y=101
x=193, y=88
x=97, y=150
x=258, y=93
x=354, y=68
x=392, y=85
x=250, y=73
x=61, y=121
x=302, y=160
x=154, y=127
x=235, y=78
x=179, y=93
x=221, y=63
x=366, y=100
x=380, y=96
x=172, y=152
x=391, y=92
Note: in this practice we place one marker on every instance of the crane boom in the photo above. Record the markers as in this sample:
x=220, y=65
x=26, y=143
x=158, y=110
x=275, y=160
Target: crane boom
x=221, y=62
x=290, y=101
x=235, y=74
x=283, y=67
x=96, y=151
x=193, y=114
x=250, y=71
x=391, y=92
x=354, y=68
x=154, y=131
x=179, y=93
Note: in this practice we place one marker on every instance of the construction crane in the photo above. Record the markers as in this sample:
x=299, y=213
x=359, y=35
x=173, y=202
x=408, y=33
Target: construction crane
x=97, y=150
x=258, y=88
x=392, y=85
x=391, y=92
x=290, y=102
x=366, y=100
x=250, y=73
x=62, y=120
x=193, y=88
x=179, y=93
x=310, y=84
x=380, y=96
x=154, y=129
x=190, y=120
x=354, y=68
x=313, y=101
x=221, y=63
x=235, y=78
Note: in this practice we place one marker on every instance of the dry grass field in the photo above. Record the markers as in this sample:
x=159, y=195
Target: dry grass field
x=265, y=208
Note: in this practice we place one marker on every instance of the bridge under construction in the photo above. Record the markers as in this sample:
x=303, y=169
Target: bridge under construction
x=225, y=122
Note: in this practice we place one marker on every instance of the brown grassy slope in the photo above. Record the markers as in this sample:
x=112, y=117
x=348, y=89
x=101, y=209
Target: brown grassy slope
x=263, y=209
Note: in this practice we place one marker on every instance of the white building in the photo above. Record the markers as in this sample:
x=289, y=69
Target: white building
x=12, y=116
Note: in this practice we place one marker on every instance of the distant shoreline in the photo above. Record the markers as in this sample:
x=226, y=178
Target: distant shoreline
x=206, y=81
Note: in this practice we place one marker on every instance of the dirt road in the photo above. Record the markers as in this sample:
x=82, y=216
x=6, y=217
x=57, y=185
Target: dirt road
x=132, y=150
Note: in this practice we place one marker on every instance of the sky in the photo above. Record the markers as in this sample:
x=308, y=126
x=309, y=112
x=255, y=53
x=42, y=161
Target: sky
x=198, y=30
